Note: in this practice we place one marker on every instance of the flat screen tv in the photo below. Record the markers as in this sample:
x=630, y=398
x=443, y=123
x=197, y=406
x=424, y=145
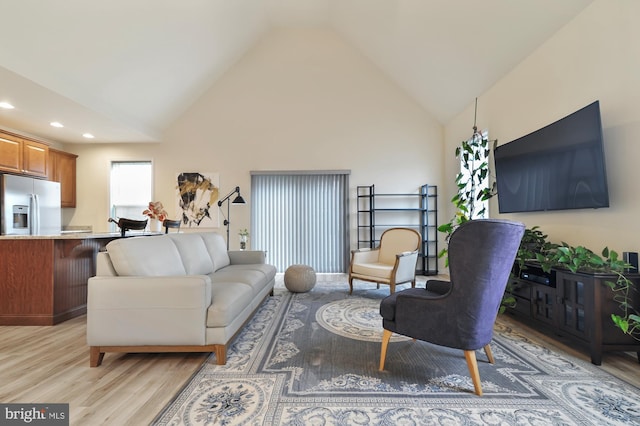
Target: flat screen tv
x=559, y=167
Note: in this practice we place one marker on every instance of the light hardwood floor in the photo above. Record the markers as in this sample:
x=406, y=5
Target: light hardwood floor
x=51, y=364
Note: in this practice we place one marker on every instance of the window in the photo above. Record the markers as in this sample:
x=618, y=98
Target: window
x=301, y=218
x=131, y=189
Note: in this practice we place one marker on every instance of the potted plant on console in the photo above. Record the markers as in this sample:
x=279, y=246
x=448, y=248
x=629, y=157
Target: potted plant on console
x=578, y=294
x=581, y=259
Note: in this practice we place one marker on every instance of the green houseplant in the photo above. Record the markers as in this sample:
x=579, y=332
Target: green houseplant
x=533, y=245
x=473, y=183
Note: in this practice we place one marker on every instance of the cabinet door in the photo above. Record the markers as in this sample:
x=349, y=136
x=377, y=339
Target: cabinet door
x=575, y=292
x=35, y=157
x=66, y=175
x=543, y=303
x=10, y=154
x=62, y=168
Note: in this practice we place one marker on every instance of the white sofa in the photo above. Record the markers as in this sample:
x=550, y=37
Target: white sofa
x=181, y=292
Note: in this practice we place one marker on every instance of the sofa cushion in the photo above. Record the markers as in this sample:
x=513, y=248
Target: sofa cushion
x=256, y=276
x=145, y=256
x=194, y=253
x=228, y=300
x=217, y=249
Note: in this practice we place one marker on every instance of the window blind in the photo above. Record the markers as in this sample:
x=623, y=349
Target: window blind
x=301, y=218
x=130, y=191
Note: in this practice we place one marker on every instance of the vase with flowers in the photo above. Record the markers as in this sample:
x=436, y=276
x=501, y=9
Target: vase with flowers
x=157, y=214
x=244, y=236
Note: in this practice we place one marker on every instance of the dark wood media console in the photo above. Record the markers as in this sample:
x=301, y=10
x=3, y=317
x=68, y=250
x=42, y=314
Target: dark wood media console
x=574, y=306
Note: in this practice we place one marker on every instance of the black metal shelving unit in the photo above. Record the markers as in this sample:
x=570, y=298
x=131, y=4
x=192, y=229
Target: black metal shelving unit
x=378, y=212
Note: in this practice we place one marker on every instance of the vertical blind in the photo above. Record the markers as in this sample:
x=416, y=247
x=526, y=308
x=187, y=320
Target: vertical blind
x=301, y=218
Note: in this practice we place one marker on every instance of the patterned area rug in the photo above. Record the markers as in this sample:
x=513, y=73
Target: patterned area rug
x=312, y=358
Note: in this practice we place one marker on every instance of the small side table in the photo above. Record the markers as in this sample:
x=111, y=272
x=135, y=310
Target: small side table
x=299, y=278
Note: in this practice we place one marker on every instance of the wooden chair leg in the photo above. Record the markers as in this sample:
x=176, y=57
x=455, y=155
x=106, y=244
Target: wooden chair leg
x=487, y=351
x=350, y=285
x=472, y=364
x=386, y=336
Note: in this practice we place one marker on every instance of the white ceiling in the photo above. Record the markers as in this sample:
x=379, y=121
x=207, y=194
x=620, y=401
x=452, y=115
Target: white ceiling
x=124, y=70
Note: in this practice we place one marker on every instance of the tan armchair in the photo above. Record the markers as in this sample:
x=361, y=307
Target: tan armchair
x=393, y=262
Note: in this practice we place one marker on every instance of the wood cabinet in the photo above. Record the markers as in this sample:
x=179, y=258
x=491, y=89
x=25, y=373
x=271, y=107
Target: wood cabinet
x=24, y=156
x=35, y=158
x=43, y=281
x=574, y=306
x=10, y=153
x=29, y=157
x=62, y=168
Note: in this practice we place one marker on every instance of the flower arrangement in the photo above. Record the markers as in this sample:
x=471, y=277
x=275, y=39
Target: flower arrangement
x=244, y=236
x=156, y=211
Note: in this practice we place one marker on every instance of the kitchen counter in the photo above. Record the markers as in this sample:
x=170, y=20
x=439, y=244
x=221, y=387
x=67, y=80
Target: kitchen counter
x=76, y=235
x=43, y=279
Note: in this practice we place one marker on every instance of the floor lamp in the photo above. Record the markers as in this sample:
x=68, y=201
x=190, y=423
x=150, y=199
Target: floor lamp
x=237, y=200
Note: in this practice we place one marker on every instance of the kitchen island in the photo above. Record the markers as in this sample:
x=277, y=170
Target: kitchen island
x=43, y=279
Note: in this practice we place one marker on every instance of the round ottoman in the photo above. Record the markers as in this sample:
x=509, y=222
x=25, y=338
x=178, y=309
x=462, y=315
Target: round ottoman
x=299, y=278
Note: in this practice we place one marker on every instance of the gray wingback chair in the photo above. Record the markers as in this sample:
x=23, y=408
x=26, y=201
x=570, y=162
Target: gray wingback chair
x=459, y=313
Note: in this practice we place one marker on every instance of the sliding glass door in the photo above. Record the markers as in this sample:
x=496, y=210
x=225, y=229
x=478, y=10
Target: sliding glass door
x=302, y=218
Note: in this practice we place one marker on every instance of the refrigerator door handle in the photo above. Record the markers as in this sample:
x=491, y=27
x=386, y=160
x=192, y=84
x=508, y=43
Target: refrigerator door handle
x=35, y=214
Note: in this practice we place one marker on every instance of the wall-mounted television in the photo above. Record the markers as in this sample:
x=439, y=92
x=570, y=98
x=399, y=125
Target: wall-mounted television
x=558, y=167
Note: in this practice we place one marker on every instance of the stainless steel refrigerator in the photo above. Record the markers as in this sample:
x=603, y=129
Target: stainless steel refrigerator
x=29, y=206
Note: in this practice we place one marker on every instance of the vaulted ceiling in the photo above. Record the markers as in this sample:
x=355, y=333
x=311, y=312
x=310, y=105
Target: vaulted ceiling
x=124, y=70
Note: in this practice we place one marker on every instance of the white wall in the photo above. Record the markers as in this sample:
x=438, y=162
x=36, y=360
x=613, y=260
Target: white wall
x=594, y=57
x=299, y=100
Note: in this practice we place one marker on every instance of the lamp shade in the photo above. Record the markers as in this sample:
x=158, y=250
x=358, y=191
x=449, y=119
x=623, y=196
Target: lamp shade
x=239, y=200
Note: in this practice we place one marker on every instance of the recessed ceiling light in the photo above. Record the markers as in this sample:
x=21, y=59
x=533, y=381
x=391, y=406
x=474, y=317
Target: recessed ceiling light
x=56, y=124
x=6, y=105
x=88, y=135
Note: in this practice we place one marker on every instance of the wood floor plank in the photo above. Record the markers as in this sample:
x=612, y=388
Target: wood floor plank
x=51, y=365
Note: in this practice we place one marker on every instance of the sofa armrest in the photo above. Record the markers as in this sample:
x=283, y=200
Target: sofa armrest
x=247, y=257
x=126, y=311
